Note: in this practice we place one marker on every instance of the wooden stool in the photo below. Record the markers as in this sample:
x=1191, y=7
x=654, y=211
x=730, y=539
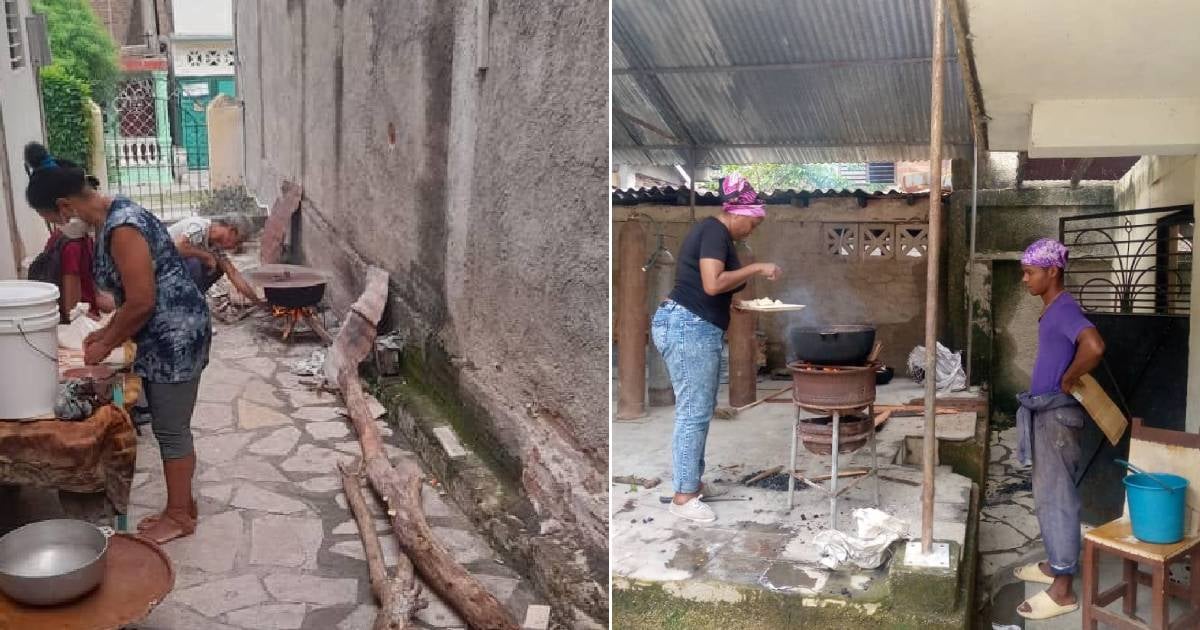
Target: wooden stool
x=1116, y=538
x=1154, y=450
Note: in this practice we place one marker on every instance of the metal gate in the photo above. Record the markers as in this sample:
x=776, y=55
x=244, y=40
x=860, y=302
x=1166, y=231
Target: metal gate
x=1132, y=272
x=1134, y=262
x=148, y=154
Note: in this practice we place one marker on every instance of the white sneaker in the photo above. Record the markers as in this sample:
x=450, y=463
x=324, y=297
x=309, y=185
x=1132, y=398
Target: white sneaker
x=693, y=510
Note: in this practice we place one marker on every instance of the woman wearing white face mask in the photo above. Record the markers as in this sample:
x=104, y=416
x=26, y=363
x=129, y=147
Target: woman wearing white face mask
x=66, y=261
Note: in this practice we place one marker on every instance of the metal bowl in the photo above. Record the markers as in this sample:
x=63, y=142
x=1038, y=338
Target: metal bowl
x=52, y=562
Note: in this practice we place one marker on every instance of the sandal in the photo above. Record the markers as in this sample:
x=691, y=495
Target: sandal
x=1042, y=606
x=1032, y=573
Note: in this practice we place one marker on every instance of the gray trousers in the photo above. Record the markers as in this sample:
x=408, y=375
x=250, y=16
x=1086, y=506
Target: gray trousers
x=171, y=406
x=1056, y=462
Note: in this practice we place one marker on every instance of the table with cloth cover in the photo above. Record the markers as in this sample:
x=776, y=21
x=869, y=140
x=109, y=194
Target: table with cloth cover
x=95, y=455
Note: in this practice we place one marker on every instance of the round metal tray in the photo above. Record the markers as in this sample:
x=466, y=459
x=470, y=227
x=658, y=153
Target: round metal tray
x=138, y=575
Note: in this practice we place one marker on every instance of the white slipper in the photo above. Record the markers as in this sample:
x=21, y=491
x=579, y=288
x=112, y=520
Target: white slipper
x=1041, y=606
x=1032, y=573
x=693, y=510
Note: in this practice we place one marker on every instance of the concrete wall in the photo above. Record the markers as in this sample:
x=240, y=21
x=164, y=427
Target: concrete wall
x=478, y=192
x=123, y=19
x=22, y=232
x=203, y=17
x=1005, y=315
x=1156, y=181
x=225, y=142
x=887, y=293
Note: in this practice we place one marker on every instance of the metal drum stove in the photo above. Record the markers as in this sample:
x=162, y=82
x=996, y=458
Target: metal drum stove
x=843, y=394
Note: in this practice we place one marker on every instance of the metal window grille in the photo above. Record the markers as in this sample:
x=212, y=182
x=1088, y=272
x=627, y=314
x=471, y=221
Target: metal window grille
x=12, y=22
x=1138, y=261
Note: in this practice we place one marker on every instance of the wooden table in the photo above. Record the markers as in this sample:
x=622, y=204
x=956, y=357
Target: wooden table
x=90, y=461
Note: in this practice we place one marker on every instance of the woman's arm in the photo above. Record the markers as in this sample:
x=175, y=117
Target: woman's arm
x=132, y=256
x=1089, y=350
x=71, y=292
x=188, y=250
x=716, y=280
x=236, y=279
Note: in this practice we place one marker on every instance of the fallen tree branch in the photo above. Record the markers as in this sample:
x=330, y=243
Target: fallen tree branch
x=399, y=597
x=400, y=486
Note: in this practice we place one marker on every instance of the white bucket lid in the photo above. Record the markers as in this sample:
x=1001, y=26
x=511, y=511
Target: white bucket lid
x=14, y=293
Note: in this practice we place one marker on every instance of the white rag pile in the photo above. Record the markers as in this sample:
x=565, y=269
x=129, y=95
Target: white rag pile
x=951, y=377
x=877, y=530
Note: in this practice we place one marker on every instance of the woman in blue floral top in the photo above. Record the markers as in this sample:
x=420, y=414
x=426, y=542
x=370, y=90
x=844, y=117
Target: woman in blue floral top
x=158, y=307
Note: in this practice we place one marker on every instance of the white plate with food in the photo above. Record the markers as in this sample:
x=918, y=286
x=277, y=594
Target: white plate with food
x=767, y=305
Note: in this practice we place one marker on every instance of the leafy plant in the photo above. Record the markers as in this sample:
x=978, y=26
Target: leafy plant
x=228, y=200
x=68, y=121
x=80, y=45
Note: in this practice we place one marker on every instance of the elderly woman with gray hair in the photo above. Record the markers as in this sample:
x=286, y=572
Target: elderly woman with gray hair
x=203, y=241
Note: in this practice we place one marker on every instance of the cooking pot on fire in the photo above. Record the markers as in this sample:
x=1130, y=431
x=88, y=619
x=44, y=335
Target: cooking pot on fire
x=830, y=345
x=290, y=286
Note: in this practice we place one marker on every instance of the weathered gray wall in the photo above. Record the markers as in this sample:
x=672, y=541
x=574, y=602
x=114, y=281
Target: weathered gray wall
x=886, y=293
x=1005, y=315
x=479, y=193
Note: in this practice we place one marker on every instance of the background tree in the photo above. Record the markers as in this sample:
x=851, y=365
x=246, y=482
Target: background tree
x=81, y=46
x=85, y=68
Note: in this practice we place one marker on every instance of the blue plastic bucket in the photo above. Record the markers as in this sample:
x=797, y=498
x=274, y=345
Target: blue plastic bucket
x=1157, y=513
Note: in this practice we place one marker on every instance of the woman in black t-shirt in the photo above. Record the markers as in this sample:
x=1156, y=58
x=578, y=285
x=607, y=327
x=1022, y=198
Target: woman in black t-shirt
x=689, y=329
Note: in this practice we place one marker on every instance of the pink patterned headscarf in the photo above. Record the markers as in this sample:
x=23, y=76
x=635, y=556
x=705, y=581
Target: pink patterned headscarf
x=740, y=197
x=1046, y=252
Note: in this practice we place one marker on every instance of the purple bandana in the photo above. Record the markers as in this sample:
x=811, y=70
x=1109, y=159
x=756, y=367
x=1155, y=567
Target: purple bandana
x=1045, y=252
x=740, y=197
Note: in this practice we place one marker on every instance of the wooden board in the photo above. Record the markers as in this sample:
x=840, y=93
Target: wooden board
x=279, y=223
x=1101, y=408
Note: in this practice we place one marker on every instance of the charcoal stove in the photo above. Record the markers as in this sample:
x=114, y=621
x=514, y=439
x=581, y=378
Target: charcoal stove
x=845, y=398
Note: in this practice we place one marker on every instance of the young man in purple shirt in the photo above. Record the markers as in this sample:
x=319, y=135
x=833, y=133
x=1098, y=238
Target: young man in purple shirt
x=1049, y=423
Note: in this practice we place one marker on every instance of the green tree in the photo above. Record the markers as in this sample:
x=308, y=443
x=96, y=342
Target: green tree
x=81, y=46
x=769, y=177
x=68, y=121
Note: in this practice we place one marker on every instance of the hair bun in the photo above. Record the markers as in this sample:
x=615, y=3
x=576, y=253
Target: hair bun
x=35, y=154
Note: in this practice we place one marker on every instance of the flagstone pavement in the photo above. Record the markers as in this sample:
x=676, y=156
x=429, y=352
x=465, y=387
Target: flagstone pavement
x=276, y=547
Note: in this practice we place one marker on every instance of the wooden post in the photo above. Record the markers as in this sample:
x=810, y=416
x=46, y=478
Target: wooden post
x=632, y=321
x=743, y=372
x=931, y=273
x=662, y=280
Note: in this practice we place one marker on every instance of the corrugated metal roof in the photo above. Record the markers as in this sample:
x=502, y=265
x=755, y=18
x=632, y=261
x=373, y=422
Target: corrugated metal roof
x=680, y=196
x=770, y=81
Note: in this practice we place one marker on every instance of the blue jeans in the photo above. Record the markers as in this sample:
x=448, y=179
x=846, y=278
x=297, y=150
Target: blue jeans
x=691, y=348
x=1056, y=460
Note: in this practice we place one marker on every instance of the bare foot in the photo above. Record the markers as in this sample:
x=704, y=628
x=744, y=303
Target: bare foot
x=169, y=527
x=149, y=521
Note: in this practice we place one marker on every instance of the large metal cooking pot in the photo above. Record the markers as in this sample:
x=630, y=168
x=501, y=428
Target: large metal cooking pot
x=290, y=286
x=52, y=562
x=830, y=345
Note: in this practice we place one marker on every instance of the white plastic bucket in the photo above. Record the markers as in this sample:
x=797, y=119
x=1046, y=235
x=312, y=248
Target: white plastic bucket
x=28, y=349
